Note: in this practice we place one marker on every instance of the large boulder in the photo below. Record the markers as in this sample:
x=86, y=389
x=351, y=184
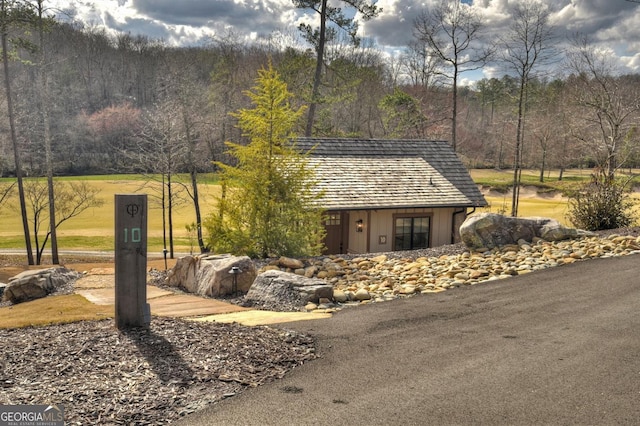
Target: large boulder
x=489, y=230
x=278, y=288
x=35, y=284
x=211, y=275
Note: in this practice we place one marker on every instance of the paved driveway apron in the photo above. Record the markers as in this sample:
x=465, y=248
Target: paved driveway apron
x=559, y=346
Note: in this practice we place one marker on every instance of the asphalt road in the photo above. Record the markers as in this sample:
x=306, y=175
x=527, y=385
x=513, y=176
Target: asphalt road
x=557, y=347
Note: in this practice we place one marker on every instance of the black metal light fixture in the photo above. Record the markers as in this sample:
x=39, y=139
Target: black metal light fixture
x=234, y=272
x=359, y=225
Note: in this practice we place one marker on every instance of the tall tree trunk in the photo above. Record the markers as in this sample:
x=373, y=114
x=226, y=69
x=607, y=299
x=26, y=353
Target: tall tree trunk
x=193, y=174
x=46, y=125
x=454, y=118
x=164, y=214
x=517, y=164
x=543, y=164
x=14, y=138
x=315, y=94
x=170, y=198
x=196, y=205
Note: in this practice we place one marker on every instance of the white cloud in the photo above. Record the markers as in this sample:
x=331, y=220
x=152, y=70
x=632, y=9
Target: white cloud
x=613, y=24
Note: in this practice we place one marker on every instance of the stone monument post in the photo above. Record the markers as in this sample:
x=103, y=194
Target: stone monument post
x=132, y=309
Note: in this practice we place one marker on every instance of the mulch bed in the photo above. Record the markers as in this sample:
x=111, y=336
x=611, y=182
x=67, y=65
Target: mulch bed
x=142, y=376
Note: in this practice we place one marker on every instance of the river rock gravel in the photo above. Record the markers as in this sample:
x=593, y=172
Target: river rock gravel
x=379, y=277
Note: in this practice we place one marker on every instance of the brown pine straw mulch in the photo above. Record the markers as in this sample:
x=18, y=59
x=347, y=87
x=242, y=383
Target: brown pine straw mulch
x=151, y=376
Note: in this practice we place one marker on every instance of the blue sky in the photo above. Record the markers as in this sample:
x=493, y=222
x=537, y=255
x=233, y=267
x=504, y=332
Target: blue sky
x=613, y=24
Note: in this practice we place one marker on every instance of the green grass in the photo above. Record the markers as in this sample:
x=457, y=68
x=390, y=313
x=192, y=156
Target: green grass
x=53, y=310
x=555, y=209
x=502, y=180
x=536, y=198
x=93, y=229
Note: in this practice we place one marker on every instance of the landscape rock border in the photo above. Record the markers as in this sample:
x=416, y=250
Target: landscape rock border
x=382, y=277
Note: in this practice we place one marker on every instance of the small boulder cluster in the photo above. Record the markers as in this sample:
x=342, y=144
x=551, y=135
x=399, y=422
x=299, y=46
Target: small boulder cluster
x=35, y=284
x=485, y=231
x=226, y=275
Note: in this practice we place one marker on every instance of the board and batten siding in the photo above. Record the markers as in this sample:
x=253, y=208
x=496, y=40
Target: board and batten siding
x=378, y=234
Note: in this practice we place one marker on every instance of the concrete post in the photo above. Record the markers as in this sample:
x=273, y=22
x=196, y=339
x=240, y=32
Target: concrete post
x=132, y=309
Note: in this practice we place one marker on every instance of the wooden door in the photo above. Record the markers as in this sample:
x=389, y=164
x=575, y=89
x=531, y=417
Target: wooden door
x=337, y=238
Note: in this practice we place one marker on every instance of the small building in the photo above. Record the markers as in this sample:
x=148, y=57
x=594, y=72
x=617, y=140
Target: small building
x=390, y=195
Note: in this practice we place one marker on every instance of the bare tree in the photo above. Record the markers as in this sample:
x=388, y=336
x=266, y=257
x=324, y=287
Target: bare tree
x=72, y=199
x=546, y=124
x=13, y=12
x=189, y=100
x=230, y=75
x=157, y=153
x=43, y=92
x=419, y=65
x=452, y=31
x=6, y=190
x=354, y=79
x=608, y=103
x=527, y=46
x=318, y=37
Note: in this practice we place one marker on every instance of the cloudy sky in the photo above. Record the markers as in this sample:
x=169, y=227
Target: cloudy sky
x=613, y=24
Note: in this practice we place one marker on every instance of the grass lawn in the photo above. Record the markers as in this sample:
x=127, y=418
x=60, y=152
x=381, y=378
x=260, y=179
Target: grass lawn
x=536, y=198
x=93, y=229
x=502, y=180
x=53, y=310
x=553, y=208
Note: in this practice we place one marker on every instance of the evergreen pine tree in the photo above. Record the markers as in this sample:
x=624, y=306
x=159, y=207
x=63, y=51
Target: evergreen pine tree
x=267, y=207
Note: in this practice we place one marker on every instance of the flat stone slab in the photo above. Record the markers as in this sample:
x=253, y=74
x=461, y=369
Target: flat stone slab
x=182, y=305
x=253, y=317
x=98, y=287
x=95, y=281
x=101, y=271
x=106, y=295
x=166, y=303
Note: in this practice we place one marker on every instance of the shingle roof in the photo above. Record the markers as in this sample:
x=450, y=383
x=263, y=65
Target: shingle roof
x=376, y=174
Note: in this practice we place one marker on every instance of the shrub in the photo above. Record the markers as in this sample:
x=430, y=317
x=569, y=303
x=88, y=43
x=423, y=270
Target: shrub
x=602, y=203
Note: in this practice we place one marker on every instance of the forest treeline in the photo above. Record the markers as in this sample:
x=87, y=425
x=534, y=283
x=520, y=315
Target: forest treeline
x=115, y=102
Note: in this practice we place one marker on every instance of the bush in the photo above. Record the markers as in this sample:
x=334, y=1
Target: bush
x=602, y=203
